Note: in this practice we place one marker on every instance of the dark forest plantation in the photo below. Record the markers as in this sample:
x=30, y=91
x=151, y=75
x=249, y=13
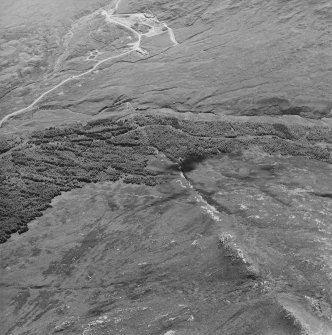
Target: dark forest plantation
x=165, y=167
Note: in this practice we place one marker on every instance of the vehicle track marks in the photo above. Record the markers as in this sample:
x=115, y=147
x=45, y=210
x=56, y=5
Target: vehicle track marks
x=125, y=21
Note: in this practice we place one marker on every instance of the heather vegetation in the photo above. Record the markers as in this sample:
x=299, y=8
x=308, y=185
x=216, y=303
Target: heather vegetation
x=55, y=160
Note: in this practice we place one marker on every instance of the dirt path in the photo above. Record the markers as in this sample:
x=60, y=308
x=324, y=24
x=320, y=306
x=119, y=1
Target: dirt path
x=113, y=18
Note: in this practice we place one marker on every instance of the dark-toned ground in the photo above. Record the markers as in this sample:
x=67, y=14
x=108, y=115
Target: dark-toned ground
x=51, y=161
x=183, y=186
x=128, y=259
x=238, y=243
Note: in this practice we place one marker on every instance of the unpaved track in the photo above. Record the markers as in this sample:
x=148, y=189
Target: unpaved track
x=111, y=18
x=21, y=111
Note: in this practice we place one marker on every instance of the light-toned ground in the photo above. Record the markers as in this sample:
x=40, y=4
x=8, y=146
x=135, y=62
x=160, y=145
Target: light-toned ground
x=81, y=33
x=251, y=58
x=241, y=242
x=237, y=244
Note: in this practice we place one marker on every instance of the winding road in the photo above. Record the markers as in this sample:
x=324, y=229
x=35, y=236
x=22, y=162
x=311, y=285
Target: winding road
x=113, y=18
